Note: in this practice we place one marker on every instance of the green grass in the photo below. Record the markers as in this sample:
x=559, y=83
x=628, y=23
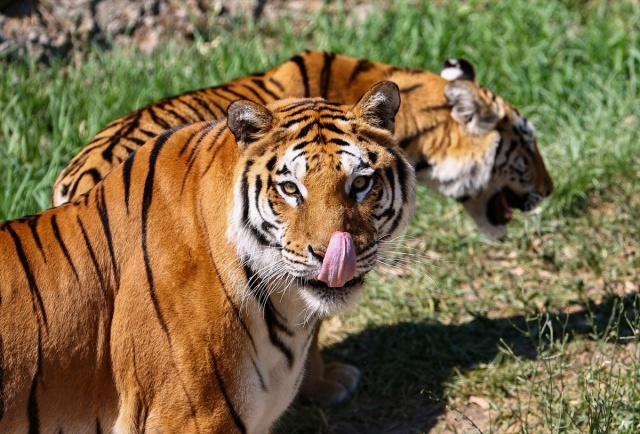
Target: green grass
x=538, y=333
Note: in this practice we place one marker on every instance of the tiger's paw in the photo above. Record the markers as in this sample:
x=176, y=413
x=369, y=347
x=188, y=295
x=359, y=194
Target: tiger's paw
x=336, y=385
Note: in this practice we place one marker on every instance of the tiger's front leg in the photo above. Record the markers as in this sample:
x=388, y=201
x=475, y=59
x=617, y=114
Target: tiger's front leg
x=327, y=384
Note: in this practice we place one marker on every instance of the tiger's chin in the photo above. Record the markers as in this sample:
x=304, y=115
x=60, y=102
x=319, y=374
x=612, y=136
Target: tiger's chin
x=325, y=300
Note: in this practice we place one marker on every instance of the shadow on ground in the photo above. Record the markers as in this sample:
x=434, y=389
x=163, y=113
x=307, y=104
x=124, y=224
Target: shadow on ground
x=406, y=366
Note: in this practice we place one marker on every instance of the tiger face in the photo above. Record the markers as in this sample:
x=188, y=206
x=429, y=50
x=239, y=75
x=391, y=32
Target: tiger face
x=518, y=179
x=472, y=145
x=313, y=210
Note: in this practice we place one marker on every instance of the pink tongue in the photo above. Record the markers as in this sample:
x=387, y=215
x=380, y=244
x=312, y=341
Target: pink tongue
x=505, y=205
x=339, y=263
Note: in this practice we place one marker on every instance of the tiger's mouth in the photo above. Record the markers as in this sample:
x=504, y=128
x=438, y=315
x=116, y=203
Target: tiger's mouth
x=500, y=204
x=323, y=287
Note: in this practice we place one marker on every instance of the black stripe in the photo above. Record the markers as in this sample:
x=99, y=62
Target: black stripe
x=223, y=389
x=63, y=247
x=33, y=286
x=263, y=386
x=406, y=141
x=333, y=127
x=33, y=223
x=157, y=119
x=299, y=61
x=95, y=177
x=214, y=141
x=325, y=75
x=198, y=116
x=205, y=106
x=172, y=112
x=410, y=88
x=260, y=83
x=32, y=405
x=362, y=66
x=92, y=255
x=192, y=155
x=146, y=204
x=239, y=95
x=277, y=84
x=98, y=428
x=258, y=97
x=126, y=178
x=104, y=218
x=304, y=130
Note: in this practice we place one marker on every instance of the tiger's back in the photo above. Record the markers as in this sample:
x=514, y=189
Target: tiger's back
x=181, y=294
x=449, y=126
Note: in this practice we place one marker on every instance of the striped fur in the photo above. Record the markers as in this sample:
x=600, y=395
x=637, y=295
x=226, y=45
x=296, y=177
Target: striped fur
x=464, y=141
x=166, y=298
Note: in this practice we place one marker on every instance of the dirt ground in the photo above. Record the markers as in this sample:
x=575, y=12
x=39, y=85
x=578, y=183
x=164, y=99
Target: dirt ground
x=43, y=29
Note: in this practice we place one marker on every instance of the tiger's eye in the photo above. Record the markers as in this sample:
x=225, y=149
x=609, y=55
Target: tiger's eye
x=360, y=182
x=289, y=187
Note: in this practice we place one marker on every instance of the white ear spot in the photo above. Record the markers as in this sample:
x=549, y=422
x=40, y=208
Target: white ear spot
x=452, y=71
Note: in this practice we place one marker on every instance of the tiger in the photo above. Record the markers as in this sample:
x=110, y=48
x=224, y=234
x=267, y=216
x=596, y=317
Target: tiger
x=183, y=291
x=463, y=141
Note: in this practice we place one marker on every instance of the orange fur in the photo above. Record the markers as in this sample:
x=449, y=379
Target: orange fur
x=453, y=131
x=163, y=300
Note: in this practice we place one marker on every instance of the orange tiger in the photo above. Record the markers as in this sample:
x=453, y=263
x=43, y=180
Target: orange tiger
x=182, y=293
x=463, y=140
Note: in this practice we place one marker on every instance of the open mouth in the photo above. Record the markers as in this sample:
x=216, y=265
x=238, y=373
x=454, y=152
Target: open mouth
x=500, y=204
x=322, y=285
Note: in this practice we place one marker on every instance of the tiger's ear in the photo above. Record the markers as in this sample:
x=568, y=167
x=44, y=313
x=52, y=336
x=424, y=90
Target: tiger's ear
x=378, y=107
x=469, y=109
x=248, y=121
x=458, y=69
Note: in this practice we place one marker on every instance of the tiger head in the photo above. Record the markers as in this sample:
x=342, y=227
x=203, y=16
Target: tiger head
x=479, y=149
x=321, y=189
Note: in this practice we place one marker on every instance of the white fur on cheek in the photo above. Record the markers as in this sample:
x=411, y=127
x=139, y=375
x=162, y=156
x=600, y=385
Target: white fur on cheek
x=454, y=177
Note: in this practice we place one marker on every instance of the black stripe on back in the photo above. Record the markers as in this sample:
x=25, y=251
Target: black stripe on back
x=63, y=247
x=33, y=286
x=33, y=223
x=223, y=389
x=299, y=61
x=258, y=97
x=101, y=204
x=126, y=178
x=194, y=150
x=92, y=255
x=362, y=66
x=205, y=105
x=260, y=83
x=146, y=204
x=157, y=119
x=325, y=75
